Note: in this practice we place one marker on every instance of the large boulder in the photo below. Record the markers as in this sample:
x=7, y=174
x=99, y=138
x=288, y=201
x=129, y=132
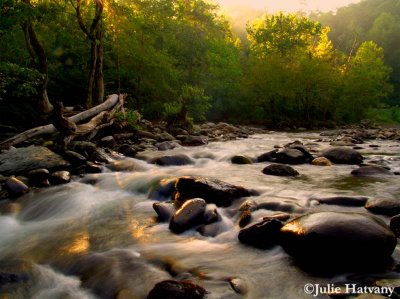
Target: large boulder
x=189, y=215
x=280, y=170
x=195, y=140
x=343, y=155
x=338, y=241
x=22, y=160
x=241, y=159
x=211, y=190
x=267, y=157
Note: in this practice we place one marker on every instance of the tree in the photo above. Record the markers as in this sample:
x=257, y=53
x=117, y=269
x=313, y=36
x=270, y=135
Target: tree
x=366, y=81
x=95, y=81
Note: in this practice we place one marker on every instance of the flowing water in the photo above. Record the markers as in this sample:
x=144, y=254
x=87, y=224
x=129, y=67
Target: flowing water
x=98, y=236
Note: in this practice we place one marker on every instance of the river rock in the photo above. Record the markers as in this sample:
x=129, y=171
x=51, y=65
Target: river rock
x=163, y=189
x=290, y=156
x=330, y=241
x=348, y=201
x=395, y=225
x=93, y=167
x=264, y=234
x=60, y=177
x=74, y=158
x=173, y=289
x=238, y=285
x=240, y=159
x=343, y=155
x=22, y=160
x=39, y=177
x=389, y=207
x=167, y=145
x=100, y=155
x=164, y=210
x=84, y=148
x=128, y=150
x=15, y=187
x=211, y=190
x=164, y=136
x=174, y=160
x=195, y=140
x=245, y=218
x=108, y=141
x=189, y=215
x=321, y=161
x=211, y=215
x=126, y=165
x=268, y=157
x=280, y=170
x=371, y=170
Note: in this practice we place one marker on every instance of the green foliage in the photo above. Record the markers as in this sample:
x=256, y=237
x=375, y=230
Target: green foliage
x=18, y=82
x=390, y=116
x=128, y=119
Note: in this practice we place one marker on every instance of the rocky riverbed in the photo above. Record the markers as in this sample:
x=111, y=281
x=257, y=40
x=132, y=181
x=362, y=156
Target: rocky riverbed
x=252, y=214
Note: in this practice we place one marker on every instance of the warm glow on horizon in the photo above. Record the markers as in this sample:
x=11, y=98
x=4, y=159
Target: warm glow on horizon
x=272, y=6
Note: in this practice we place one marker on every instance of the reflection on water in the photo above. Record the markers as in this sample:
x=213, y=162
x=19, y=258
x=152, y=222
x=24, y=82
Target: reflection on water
x=99, y=238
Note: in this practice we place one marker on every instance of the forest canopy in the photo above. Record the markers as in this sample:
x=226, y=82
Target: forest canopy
x=181, y=59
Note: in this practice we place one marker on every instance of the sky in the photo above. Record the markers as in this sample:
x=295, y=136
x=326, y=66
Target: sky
x=272, y=6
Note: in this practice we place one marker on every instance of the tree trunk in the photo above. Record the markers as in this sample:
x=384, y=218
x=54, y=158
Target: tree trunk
x=111, y=101
x=92, y=73
x=99, y=77
x=35, y=50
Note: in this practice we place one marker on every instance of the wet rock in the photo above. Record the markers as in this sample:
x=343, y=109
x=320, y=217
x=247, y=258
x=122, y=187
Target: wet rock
x=84, y=148
x=128, y=150
x=164, y=136
x=395, y=225
x=173, y=160
x=343, y=155
x=240, y=159
x=74, y=158
x=211, y=215
x=163, y=189
x=302, y=148
x=370, y=170
x=280, y=216
x=164, y=210
x=245, y=218
x=267, y=157
x=39, y=177
x=105, y=273
x=280, y=170
x=167, y=145
x=146, y=134
x=189, y=215
x=264, y=234
x=126, y=165
x=100, y=155
x=15, y=187
x=211, y=190
x=290, y=156
x=93, y=167
x=173, y=289
x=22, y=160
x=195, y=140
x=389, y=207
x=321, y=161
x=238, y=285
x=60, y=177
x=108, y=141
x=348, y=201
x=249, y=205
x=333, y=241
x=281, y=206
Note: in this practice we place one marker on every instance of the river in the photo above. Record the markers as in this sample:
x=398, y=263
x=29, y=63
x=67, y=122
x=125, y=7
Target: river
x=102, y=227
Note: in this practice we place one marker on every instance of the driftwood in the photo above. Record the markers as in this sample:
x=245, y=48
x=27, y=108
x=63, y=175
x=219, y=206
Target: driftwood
x=109, y=103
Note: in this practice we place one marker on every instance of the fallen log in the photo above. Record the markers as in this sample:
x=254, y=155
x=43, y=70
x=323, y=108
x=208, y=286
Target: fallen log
x=110, y=102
